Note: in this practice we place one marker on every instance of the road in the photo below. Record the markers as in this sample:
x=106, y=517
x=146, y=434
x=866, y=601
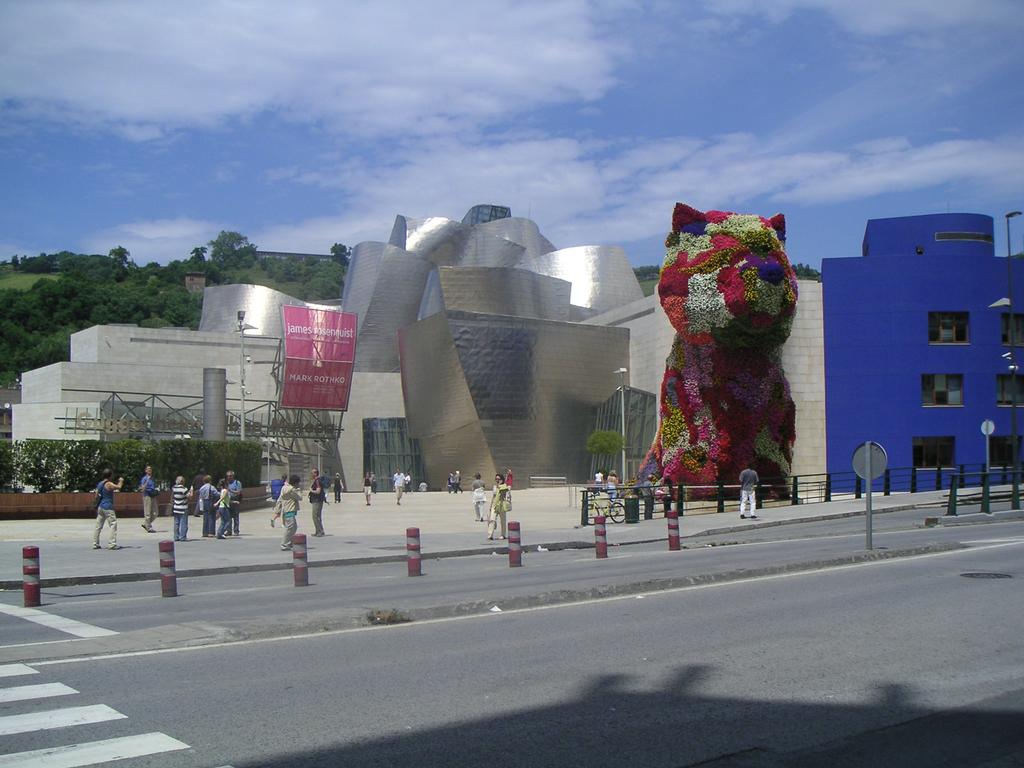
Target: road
x=890, y=662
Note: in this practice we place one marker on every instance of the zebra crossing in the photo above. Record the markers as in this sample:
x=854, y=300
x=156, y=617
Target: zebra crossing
x=83, y=753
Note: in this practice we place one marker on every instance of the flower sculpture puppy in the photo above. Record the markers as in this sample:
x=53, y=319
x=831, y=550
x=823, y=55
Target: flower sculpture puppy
x=730, y=293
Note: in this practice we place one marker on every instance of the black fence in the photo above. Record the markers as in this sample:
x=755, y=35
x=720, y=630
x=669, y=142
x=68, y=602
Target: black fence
x=798, y=489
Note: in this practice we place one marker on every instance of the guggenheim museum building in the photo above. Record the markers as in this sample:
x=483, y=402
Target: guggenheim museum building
x=481, y=346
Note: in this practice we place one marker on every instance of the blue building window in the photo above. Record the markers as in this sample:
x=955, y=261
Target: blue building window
x=1004, y=389
x=934, y=451
x=947, y=327
x=1018, y=327
x=942, y=389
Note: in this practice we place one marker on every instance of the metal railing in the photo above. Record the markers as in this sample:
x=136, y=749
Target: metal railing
x=814, y=488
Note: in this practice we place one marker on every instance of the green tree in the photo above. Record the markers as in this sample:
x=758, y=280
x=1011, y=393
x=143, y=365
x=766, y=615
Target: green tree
x=198, y=254
x=341, y=253
x=232, y=250
x=604, y=442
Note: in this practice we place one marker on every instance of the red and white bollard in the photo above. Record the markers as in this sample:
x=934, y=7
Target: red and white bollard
x=299, y=564
x=168, y=575
x=515, y=545
x=412, y=551
x=673, y=530
x=30, y=576
x=600, y=538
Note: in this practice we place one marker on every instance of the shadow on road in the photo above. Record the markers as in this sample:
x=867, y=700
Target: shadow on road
x=610, y=725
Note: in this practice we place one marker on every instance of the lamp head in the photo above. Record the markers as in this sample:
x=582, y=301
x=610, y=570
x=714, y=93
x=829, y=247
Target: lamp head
x=1011, y=214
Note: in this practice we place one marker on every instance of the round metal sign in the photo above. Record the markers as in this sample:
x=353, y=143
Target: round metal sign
x=879, y=460
x=988, y=427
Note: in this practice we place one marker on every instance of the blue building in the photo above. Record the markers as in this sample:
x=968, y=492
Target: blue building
x=915, y=357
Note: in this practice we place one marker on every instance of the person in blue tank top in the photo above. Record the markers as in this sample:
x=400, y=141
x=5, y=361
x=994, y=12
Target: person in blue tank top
x=105, y=509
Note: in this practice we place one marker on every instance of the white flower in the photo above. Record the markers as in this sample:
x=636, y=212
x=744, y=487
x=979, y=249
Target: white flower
x=705, y=305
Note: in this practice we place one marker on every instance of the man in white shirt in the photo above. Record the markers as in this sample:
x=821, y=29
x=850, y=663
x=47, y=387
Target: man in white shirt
x=398, y=480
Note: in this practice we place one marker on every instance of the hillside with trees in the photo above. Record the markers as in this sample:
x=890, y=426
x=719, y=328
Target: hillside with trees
x=46, y=298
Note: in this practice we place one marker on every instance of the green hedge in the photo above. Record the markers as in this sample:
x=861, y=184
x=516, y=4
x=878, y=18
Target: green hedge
x=76, y=465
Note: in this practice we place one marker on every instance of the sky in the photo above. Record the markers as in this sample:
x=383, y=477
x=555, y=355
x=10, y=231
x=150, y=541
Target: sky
x=154, y=126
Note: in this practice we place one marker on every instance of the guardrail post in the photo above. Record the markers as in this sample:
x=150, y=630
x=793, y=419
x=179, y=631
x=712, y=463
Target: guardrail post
x=673, y=531
x=856, y=488
x=412, y=552
x=515, y=545
x=1003, y=480
x=951, y=504
x=886, y=483
x=758, y=496
x=913, y=479
x=30, y=576
x=963, y=477
x=601, y=538
x=986, y=497
x=938, y=478
x=828, y=486
x=720, y=497
x=795, y=496
x=584, y=509
x=299, y=564
x=681, y=498
x=168, y=573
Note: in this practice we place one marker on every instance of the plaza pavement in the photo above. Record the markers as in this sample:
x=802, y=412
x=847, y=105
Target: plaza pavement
x=356, y=533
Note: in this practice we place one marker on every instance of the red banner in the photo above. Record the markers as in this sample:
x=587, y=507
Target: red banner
x=319, y=355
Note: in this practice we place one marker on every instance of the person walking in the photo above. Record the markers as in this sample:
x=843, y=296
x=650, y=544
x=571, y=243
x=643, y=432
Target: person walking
x=207, y=498
x=179, y=508
x=197, y=483
x=646, y=489
x=367, y=486
x=317, y=497
x=235, y=494
x=479, y=498
x=287, y=509
x=499, y=508
x=398, y=481
x=105, y=509
x=338, y=487
x=458, y=481
x=748, y=487
x=223, y=505
x=150, y=505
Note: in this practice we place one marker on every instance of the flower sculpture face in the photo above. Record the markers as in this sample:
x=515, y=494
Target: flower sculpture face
x=730, y=293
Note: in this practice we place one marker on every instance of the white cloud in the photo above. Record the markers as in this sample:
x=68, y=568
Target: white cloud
x=160, y=240
x=583, y=193
x=389, y=67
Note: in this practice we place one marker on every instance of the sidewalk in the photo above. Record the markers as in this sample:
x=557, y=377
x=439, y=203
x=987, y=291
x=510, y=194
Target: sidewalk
x=360, y=534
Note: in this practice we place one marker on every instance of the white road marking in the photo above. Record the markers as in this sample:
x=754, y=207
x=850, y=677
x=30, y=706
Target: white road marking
x=93, y=752
x=26, y=692
x=12, y=670
x=42, y=642
x=57, y=718
x=70, y=626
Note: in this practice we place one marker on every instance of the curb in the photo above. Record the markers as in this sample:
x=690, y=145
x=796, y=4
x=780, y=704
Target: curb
x=71, y=581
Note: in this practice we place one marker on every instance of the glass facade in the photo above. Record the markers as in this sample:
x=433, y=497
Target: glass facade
x=387, y=447
x=641, y=425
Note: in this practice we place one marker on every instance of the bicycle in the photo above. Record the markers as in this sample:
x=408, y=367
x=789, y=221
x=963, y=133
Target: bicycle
x=601, y=503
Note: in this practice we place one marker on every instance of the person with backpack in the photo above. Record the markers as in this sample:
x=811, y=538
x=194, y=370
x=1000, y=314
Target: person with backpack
x=207, y=494
x=105, y=509
x=317, y=497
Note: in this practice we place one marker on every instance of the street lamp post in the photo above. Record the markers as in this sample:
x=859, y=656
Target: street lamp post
x=242, y=328
x=622, y=405
x=1015, y=498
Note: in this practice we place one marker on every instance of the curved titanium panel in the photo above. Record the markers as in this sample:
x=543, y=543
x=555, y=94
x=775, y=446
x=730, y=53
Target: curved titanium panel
x=394, y=302
x=526, y=387
x=436, y=238
x=262, y=307
x=498, y=291
x=433, y=300
x=361, y=277
x=601, y=276
x=521, y=231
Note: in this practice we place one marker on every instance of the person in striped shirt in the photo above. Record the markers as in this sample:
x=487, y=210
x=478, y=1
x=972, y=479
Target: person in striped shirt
x=179, y=508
